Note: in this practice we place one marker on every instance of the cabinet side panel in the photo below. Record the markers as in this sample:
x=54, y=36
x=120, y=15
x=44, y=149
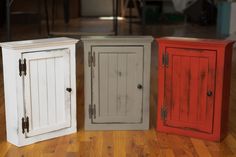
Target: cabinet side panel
x=73, y=86
x=87, y=83
x=10, y=91
x=160, y=86
x=146, y=83
x=226, y=90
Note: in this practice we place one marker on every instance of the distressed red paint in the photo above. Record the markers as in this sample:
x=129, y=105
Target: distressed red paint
x=193, y=86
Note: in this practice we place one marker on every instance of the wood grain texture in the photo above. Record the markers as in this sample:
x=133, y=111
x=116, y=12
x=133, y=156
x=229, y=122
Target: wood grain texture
x=122, y=143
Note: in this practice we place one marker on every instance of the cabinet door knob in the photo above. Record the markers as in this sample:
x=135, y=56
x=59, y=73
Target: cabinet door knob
x=68, y=89
x=139, y=86
x=209, y=93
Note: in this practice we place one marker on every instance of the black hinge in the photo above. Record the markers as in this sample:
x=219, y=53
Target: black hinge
x=163, y=113
x=91, y=59
x=165, y=59
x=92, y=111
x=22, y=67
x=25, y=124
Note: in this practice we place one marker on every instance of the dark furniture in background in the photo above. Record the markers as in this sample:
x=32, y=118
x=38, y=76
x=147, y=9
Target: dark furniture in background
x=2, y=12
x=8, y=16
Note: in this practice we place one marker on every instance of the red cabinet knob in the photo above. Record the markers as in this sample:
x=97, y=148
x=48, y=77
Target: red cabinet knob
x=209, y=93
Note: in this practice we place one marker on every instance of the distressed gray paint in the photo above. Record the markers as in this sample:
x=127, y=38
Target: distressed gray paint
x=120, y=65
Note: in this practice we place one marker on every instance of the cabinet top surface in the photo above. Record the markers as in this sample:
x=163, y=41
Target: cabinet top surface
x=37, y=43
x=183, y=40
x=118, y=38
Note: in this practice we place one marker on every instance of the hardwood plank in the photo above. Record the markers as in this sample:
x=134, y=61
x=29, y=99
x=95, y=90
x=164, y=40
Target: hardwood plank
x=218, y=149
x=97, y=141
x=181, y=146
x=166, y=153
x=4, y=147
x=231, y=143
x=151, y=146
x=119, y=138
x=108, y=144
x=201, y=147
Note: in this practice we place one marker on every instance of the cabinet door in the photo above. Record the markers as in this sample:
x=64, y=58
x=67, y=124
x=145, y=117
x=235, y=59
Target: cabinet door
x=117, y=79
x=47, y=103
x=189, y=89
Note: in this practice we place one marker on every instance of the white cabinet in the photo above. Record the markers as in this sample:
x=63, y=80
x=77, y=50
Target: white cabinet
x=117, y=76
x=40, y=89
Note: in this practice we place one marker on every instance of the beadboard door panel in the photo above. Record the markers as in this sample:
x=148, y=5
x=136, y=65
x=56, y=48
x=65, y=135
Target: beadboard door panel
x=189, y=76
x=46, y=100
x=116, y=74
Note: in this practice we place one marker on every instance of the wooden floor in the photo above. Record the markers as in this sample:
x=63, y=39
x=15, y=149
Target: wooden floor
x=123, y=143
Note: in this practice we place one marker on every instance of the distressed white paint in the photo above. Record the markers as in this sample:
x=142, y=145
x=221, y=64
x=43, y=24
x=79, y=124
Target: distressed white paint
x=47, y=78
x=41, y=94
x=121, y=63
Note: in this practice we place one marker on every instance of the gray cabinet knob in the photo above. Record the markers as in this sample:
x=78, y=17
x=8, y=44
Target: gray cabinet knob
x=140, y=86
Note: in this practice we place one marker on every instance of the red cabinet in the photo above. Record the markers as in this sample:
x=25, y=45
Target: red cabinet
x=194, y=86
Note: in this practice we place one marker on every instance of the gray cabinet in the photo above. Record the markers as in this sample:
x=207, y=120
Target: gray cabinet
x=117, y=74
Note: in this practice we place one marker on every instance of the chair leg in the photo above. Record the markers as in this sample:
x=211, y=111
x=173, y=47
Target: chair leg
x=53, y=13
x=8, y=20
x=39, y=17
x=47, y=17
x=66, y=11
